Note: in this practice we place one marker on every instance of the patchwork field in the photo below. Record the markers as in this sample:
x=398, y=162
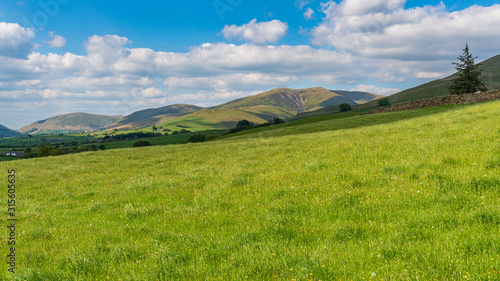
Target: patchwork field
x=408, y=195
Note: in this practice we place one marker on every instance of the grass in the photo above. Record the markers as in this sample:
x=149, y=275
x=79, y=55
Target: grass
x=212, y=119
x=411, y=199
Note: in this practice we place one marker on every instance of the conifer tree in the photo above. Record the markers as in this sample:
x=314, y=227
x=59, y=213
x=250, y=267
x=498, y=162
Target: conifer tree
x=468, y=78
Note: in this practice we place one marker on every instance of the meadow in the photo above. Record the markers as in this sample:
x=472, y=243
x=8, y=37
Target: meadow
x=396, y=196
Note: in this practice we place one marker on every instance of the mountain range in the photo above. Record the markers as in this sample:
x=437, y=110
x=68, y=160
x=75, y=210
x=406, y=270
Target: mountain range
x=283, y=103
x=73, y=122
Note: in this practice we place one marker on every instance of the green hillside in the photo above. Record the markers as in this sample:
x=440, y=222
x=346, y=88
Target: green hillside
x=153, y=116
x=491, y=75
x=408, y=195
x=290, y=100
x=6, y=132
x=210, y=119
x=68, y=123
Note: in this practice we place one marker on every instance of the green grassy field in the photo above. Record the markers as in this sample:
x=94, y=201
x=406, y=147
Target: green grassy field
x=399, y=196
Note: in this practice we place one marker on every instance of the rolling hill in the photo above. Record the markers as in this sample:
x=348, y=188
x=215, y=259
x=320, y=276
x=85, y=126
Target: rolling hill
x=72, y=122
x=6, y=132
x=282, y=103
x=290, y=101
x=392, y=196
x=211, y=119
x=491, y=75
x=153, y=116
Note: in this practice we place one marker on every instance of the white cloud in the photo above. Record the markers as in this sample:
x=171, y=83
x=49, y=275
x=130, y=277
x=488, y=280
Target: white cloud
x=385, y=29
x=56, y=41
x=15, y=41
x=239, y=81
x=152, y=92
x=309, y=14
x=300, y=4
x=376, y=90
x=257, y=33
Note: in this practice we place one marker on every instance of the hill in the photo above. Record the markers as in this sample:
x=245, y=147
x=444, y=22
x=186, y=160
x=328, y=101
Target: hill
x=149, y=117
x=211, y=119
x=73, y=122
x=290, y=101
x=6, y=132
x=392, y=196
x=491, y=75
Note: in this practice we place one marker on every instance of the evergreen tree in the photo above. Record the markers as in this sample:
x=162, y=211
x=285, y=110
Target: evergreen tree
x=468, y=78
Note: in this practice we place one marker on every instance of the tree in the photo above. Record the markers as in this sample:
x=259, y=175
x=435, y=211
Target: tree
x=244, y=123
x=45, y=150
x=468, y=78
x=384, y=102
x=141, y=143
x=345, y=107
x=276, y=121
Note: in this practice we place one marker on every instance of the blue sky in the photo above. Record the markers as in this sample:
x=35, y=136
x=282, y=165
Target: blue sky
x=111, y=57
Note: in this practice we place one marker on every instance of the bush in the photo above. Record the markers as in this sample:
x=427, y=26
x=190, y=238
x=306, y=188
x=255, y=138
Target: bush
x=242, y=123
x=277, y=121
x=196, y=138
x=384, y=102
x=45, y=150
x=345, y=107
x=141, y=144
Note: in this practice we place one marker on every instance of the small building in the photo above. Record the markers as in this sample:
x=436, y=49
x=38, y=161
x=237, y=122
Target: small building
x=13, y=154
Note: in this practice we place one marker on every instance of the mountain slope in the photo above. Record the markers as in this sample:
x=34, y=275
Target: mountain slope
x=290, y=100
x=70, y=123
x=218, y=118
x=153, y=116
x=6, y=132
x=491, y=75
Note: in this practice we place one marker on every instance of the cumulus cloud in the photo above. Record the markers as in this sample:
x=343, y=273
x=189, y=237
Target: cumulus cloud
x=238, y=82
x=309, y=14
x=376, y=90
x=56, y=41
x=385, y=29
x=300, y=4
x=15, y=41
x=257, y=33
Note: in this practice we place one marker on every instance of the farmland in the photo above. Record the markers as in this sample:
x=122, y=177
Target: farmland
x=392, y=196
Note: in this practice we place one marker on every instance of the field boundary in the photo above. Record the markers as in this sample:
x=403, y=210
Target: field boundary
x=437, y=101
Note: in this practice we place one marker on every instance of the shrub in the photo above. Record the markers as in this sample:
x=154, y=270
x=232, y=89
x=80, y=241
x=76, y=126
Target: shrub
x=384, y=102
x=242, y=123
x=277, y=121
x=345, y=107
x=141, y=144
x=196, y=138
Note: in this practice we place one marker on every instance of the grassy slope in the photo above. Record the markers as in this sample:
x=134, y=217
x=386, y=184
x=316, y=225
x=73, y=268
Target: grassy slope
x=286, y=99
x=6, y=132
x=491, y=74
x=150, y=117
x=222, y=118
x=70, y=122
x=401, y=200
